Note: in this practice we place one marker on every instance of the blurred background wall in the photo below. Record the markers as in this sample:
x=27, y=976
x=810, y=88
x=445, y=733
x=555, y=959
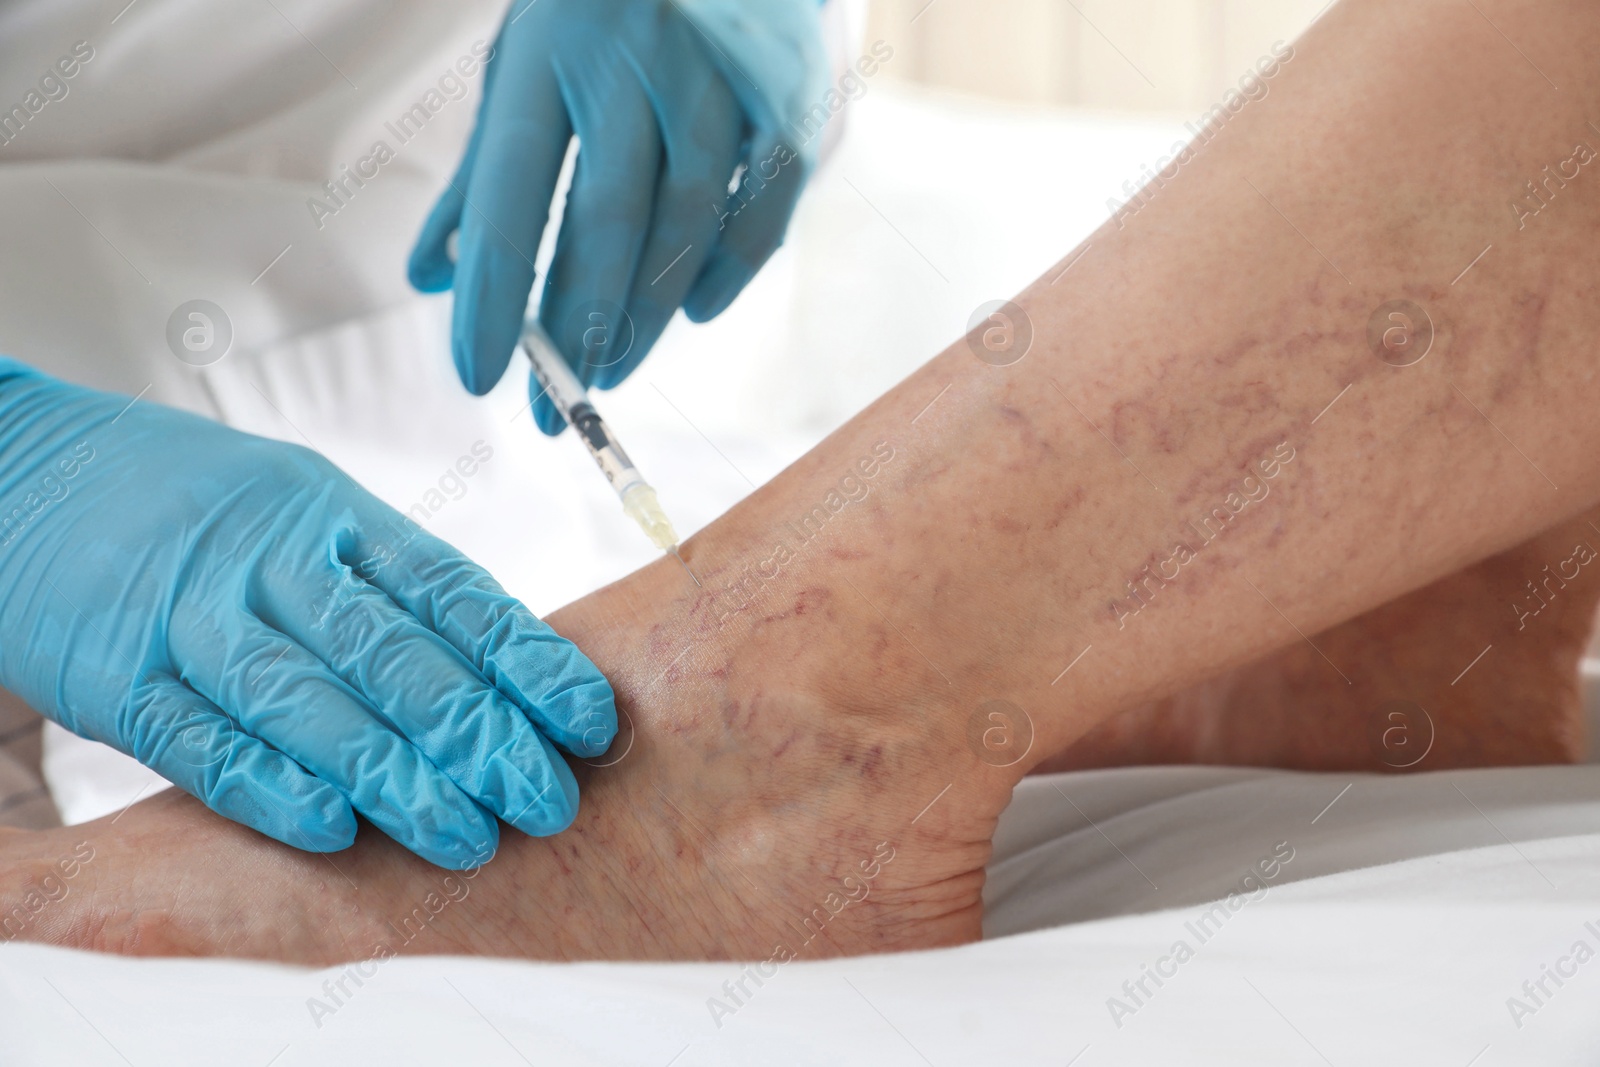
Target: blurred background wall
x=1126, y=55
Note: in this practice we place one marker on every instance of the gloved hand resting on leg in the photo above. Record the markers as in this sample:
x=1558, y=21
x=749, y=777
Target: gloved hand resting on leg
x=240, y=616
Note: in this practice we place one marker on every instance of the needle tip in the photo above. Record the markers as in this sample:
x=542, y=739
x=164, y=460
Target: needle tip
x=679, y=555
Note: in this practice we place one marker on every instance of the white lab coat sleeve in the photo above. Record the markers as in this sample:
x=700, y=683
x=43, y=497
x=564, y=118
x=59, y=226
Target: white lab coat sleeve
x=219, y=152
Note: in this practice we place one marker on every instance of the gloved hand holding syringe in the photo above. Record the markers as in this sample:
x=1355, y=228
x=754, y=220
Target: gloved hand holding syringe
x=566, y=393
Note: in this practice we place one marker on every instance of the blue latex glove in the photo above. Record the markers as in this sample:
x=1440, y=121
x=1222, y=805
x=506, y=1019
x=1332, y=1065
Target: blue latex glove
x=240, y=616
x=667, y=98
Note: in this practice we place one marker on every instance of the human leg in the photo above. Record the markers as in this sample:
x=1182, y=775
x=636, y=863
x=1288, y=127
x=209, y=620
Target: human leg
x=1478, y=669
x=875, y=661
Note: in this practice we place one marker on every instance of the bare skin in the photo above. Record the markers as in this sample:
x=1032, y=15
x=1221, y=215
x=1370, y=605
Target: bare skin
x=1494, y=687
x=829, y=700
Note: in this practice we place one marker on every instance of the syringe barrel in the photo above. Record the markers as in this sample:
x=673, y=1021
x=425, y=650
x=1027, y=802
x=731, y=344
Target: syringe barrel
x=572, y=401
x=614, y=462
x=559, y=383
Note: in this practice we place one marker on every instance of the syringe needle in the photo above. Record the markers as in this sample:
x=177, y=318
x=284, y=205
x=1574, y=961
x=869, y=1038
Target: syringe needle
x=675, y=552
x=571, y=399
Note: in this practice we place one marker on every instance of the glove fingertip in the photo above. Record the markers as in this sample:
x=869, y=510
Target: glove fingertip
x=584, y=714
x=452, y=832
x=559, y=817
x=547, y=418
x=460, y=856
x=330, y=831
x=334, y=826
x=304, y=813
x=429, y=271
x=614, y=375
x=555, y=807
x=717, y=288
x=480, y=351
x=491, y=298
x=430, y=268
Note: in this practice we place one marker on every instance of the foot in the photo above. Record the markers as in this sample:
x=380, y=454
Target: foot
x=748, y=811
x=1478, y=669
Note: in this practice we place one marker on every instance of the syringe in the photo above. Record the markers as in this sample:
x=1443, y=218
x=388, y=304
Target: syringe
x=572, y=401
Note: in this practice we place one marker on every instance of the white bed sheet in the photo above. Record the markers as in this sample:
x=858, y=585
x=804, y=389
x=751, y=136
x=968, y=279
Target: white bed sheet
x=1412, y=909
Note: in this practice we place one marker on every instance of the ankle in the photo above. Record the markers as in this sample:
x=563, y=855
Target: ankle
x=804, y=653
